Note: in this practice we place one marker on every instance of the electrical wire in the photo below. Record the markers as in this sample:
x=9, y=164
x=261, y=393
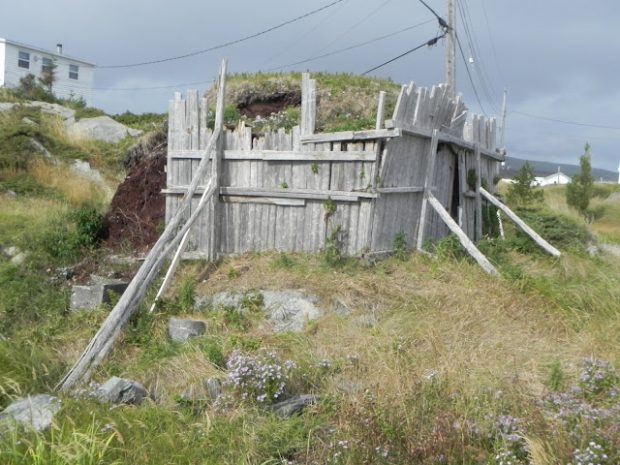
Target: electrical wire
x=361, y=44
x=226, y=44
x=562, y=121
x=335, y=52
x=442, y=22
x=458, y=41
x=428, y=43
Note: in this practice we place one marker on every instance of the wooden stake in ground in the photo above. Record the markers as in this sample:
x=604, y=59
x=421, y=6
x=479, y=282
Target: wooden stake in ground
x=104, y=339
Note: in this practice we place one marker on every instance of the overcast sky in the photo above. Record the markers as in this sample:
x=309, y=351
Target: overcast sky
x=559, y=59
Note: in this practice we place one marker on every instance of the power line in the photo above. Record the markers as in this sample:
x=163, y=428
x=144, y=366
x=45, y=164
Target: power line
x=442, y=22
x=226, y=44
x=361, y=44
x=458, y=41
x=573, y=123
x=335, y=52
x=429, y=43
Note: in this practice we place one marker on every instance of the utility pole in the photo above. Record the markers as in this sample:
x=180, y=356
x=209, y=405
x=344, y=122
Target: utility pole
x=501, y=141
x=450, y=48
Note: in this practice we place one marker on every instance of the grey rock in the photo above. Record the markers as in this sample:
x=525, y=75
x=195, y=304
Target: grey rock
x=214, y=388
x=101, y=128
x=36, y=412
x=610, y=249
x=340, y=309
x=7, y=106
x=83, y=169
x=99, y=292
x=39, y=147
x=290, y=310
x=226, y=299
x=65, y=113
x=121, y=391
x=180, y=330
x=28, y=121
x=292, y=406
x=11, y=193
x=65, y=273
x=19, y=258
x=11, y=251
x=592, y=250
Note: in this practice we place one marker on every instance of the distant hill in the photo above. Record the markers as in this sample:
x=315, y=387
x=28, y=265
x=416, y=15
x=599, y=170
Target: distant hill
x=544, y=168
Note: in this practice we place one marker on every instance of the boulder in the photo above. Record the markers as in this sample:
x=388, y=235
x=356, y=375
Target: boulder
x=292, y=406
x=36, y=412
x=214, y=388
x=180, y=330
x=102, y=128
x=95, y=294
x=83, y=169
x=121, y=391
x=290, y=310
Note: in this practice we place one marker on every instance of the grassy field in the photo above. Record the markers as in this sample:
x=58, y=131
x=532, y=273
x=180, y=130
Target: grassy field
x=458, y=368
x=434, y=361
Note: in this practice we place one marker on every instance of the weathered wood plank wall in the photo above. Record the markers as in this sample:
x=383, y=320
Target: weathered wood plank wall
x=292, y=190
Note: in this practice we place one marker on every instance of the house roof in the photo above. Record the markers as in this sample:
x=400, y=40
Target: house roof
x=47, y=52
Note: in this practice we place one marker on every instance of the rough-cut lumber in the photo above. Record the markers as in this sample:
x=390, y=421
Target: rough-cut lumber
x=399, y=190
x=519, y=222
x=350, y=136
x=103, y=340
x=280, y=155
x=478, y=196
x=308, y=104
x=428, y=179
x=380, y=111
x=171, y=269
x=471, y=248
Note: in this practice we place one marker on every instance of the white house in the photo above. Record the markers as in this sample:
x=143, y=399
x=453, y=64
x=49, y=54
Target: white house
x=74, y=77
x=555, y=178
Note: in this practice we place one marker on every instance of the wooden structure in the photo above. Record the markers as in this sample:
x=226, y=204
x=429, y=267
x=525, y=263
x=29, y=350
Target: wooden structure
x=293, y=191
x=230, y=192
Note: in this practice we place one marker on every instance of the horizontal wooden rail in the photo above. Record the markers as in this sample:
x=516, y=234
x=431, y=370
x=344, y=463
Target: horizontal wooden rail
x=345, y=136
x=447, y=139
x=280, y=155
x=310, y=194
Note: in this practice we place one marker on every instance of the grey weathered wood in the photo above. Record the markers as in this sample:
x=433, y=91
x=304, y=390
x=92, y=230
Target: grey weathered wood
x=463, y=239
x=284, y=155
x=380, y=111
x=428, y=179
x=478, y=195
x=350, y=136
x=400, y=190
x=308, y=104
x=103, y=340
x=519, y=222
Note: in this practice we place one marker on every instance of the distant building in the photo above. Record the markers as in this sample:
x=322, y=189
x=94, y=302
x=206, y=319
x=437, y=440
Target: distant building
x=74, y=77
x=555, y=178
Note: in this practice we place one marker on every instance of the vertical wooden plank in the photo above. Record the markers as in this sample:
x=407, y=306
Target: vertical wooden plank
x=478, y=195
x=308, y=104
x=430, y=166
x=380, y=111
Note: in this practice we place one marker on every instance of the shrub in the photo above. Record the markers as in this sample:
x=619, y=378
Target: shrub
x=90, y=226
x=522, y=192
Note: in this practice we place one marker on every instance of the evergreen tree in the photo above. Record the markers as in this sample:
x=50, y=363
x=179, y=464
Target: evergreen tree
x=522, y=192
x=48, y=75
x=579, y=191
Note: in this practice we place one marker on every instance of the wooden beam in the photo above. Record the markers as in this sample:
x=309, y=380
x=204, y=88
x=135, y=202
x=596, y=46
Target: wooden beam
x=283, y=155
x=428, y=180
x=351, y=136
x=310, y=194
x=380, y=111
x=264, y=200
x=469, y=246
x=478, y=234
x=400, y=190
x=519, y=222
x=446, y=138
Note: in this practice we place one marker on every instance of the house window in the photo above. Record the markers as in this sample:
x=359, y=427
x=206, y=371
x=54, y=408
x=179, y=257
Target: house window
x=74, y=72
x=46, y=63
x=24, y=60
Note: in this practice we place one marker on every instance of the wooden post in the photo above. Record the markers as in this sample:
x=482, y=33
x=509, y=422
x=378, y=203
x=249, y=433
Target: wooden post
x=380, y=111
x=460, y=234
x=308, y=104
x=428, y=182
x=104, y=339
x=478, y=235
x=519, y=222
